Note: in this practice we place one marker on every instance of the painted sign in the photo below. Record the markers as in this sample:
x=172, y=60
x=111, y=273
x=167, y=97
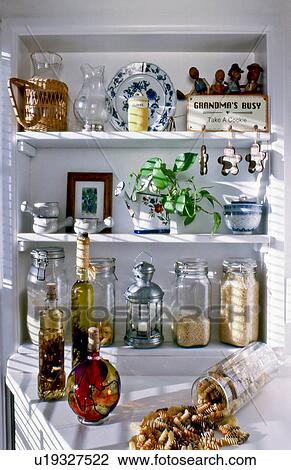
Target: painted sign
x=241, y=113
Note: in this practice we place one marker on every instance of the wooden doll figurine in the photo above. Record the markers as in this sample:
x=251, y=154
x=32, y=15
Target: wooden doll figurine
x=254, y=71
x=219, y=87
x=200, y=87
x=234, y=74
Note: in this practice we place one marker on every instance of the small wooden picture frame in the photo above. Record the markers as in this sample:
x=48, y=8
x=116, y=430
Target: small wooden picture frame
x=89, y=195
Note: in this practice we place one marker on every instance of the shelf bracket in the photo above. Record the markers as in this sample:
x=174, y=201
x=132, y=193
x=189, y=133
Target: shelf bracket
x=22, y=246
x=262, y=248
x=27, y=149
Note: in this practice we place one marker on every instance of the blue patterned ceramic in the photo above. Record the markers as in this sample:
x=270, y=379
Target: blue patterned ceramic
x=152, y=82
x=242, y=217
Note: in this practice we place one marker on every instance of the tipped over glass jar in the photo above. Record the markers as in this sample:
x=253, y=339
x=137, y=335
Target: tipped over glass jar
x=238, y=378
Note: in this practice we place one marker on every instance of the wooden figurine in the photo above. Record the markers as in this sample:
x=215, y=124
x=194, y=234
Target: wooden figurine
x=229, y=161
x=254, y=72
x=256, y=159
x=203, y=159
x=234, y=74
x=219, y=87
x=200, y=86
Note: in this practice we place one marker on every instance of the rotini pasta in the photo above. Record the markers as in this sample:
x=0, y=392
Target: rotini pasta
x=189, y=428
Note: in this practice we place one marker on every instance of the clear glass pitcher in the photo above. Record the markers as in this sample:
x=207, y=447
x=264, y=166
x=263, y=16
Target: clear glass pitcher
x=46, y=64
x=92, y=105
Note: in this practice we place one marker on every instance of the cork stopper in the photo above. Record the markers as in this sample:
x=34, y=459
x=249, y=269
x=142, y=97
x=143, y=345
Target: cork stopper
x=93, y=339
x=51, y=291
x=82, y=256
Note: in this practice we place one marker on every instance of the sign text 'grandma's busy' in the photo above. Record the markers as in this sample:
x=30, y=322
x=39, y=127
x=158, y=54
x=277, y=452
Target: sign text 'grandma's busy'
x=241, y=113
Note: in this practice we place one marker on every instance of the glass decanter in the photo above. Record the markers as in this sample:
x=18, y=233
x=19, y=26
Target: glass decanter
x=92, y=105
x=51, y=377
x=93, y=386
x=46, y=64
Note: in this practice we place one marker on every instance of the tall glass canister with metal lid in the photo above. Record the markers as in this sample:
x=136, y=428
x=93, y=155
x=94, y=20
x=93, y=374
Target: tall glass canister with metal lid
x=239, y=303
x=191, y=303
x=144, y=328
x=48, y=265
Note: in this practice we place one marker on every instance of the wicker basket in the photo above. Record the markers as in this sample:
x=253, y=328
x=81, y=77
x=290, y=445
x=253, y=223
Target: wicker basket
x=43, y=105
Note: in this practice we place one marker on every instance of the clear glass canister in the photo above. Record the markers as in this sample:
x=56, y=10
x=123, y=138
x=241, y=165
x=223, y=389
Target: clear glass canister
x=239, y=306
x=238, y=378
x=103, y=280
x=48, y=265
x=192, y=303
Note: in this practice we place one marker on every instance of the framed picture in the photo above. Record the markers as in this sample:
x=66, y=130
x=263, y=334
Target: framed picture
x=89, y=195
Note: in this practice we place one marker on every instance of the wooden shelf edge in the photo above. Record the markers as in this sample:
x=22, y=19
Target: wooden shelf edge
x=25, y=239
x=28, y=141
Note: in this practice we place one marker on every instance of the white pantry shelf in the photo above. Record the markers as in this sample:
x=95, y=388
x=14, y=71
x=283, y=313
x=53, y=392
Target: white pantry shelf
x=28, y=142
x=27, y=238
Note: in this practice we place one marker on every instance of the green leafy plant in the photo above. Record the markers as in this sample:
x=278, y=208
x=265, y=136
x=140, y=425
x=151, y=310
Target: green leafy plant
x=179, y=196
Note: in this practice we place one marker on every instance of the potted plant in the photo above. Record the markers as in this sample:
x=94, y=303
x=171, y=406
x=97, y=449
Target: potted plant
x=164, y=191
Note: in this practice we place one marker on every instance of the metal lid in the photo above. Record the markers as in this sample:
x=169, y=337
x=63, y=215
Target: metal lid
x=50, y=252
x=191, y=266
x=143, y=270
x=239, y=264
x=143, y=290
x=103, y=265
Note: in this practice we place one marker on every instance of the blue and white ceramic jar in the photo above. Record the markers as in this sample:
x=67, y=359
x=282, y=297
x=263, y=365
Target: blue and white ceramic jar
x=242, y=216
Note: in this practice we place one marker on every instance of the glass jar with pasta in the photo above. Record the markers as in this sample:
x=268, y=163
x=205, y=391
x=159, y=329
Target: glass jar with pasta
x=239, y=303
x=237, y=379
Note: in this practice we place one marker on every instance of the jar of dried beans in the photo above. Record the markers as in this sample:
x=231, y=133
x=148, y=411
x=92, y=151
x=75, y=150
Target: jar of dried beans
x=191, y=303
x=239, y=303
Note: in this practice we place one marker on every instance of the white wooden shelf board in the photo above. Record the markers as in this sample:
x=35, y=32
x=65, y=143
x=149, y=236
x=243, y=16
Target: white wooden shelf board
x=149, y=382
x=146, y=238
x=178, y=139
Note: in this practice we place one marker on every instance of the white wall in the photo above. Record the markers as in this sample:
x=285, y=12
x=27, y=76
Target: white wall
x=229, y=12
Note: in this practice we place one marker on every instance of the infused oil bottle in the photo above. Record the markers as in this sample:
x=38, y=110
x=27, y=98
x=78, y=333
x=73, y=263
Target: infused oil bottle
x=51, y=377
x=82, y=302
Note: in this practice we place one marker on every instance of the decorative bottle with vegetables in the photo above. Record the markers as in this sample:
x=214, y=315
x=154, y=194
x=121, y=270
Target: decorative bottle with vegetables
x=93, y=386
x=51, y=377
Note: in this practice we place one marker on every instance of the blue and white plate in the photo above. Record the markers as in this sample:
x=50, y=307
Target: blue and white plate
x=152, y=82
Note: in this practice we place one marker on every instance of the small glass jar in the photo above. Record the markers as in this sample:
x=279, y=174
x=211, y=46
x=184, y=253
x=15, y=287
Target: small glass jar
x=48, y=265
x=192, y=303
x=239, y=305
x=238, y=378
x=103, y=280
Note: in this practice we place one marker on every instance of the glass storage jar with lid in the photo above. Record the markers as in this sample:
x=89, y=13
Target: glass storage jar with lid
x=192, y=303
x=239, y=303
x=238, y=378
x=48, y=265
x=102, y=273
